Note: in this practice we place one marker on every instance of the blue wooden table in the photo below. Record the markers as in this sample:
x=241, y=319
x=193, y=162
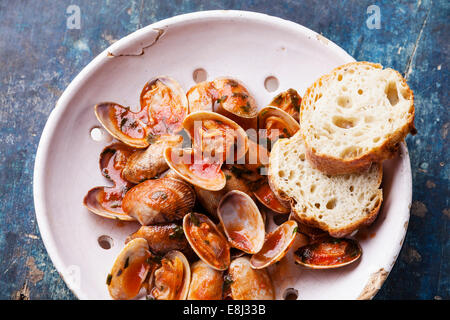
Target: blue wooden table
x=42, y=50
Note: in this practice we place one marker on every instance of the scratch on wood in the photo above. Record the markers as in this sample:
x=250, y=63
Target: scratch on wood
x=34, y=274
x=23, y=293
x=358, y=45
x=31, y=236
x=408, y=68
x=140, y=14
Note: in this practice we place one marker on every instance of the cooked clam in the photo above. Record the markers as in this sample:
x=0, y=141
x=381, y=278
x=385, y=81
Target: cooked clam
x=129, y=270
x=162, y=238
x=201, y=97
x=216, y=135
x=158, y=201
x=207, y=240
x=277, y=124
x=328, y=253
x=288, y=101
x=107, y=201
x=163, y=108
x=226, y=96
x=276, y=245
x=247, y=283
x=235, y=102
x=267, y=197
x=210, y=199
x=206, y=282
x=171, y=279
x=148, y=163
x=241, y=221
x=193, y=168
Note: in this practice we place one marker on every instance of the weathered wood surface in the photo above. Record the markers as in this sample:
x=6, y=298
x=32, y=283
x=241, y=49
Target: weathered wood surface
x=40, y=56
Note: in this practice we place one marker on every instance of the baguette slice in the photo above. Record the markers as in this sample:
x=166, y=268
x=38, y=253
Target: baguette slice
x=337, y=204
x=354, y=116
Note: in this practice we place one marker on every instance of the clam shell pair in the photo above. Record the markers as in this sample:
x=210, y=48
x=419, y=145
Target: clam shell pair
x=277, y=123
x=107, y=201
x=163, y=109
x=243, y=228
x=162, y=238
x=241, y=282
x=324, y=251
x=226, y=96
x=169, y=277
x=328, y=253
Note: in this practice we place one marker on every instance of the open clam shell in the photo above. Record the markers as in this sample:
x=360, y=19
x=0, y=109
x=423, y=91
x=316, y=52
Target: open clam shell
x=148, y=163
x=167, y=105
x=193, y=168
x=163, y=108
x=158, y=201
x=225, y=96
x=107, y=201
x=206, y=282
x=123, y=124
x=215, y=134
x=267, y=197
x=162, y=238
x=276, y=123
x=328, y=253
x=201, y=97
x=171, y=279
x=129, y=270
x=288, y=101
x=234, y=101
x=241, y=221
x=246, y=283
x=207, y=241
x=276, y=245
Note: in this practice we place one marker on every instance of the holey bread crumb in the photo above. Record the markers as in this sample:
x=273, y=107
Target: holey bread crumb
x=354, y=116
x=338, y=204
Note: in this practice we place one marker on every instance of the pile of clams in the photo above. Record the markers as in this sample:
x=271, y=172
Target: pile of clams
x=190, y=169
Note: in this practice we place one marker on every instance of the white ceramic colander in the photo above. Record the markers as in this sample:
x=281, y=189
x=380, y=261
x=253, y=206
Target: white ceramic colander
x=248, y=46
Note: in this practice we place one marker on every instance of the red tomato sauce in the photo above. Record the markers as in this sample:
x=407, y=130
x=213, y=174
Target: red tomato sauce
x=329, y=252
x=129, y=123
x=134, y=275
x=269, y=199
x=112, y=162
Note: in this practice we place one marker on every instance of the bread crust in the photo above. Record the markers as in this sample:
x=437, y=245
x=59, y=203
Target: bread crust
x=338, y=233
x=332, y=165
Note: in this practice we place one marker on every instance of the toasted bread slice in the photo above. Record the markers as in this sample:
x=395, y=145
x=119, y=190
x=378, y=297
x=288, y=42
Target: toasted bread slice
x=354, y=116
x=338, y=204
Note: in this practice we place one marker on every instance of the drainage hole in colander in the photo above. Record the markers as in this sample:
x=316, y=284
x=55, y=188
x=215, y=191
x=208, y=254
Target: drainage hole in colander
x=199, y=75
x=271, y=83
x=105, y=242
x=99, y=135
x=290, y=294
